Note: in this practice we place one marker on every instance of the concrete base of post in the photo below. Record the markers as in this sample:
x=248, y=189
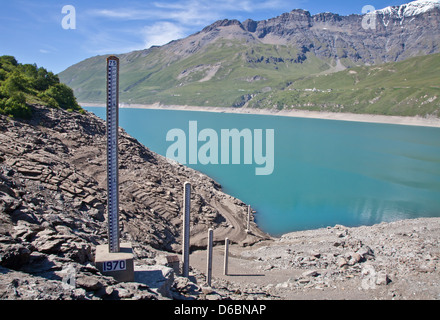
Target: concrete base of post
x=118, y=265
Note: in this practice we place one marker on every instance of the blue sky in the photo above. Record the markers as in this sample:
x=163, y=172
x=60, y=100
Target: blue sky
x=33, y=32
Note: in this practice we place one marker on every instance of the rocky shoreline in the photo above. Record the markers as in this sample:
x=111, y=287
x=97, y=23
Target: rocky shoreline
x=52, y=217
x=53, y=200
x=388, y=261
x=341, y=116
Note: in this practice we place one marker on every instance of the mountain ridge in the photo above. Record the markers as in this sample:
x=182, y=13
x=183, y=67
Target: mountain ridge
x=212, y=67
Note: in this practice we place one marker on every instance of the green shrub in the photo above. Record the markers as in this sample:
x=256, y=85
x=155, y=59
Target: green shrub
x=14, y=83
x=61, y=96
x=44, y=80
x=8, y=63
x=21, y=81
x=2, y=74
x=15, y=106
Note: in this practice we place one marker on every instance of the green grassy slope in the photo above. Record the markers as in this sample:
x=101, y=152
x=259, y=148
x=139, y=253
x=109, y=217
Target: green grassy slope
x=407, y=88
x=224, y=73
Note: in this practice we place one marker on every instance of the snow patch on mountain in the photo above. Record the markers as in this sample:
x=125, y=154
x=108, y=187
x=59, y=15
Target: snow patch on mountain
x=410, y=9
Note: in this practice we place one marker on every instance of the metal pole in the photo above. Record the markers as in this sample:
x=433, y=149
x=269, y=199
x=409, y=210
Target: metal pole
x=249, y=219
x=186, y=228
x=209, y=266
x=112, y=153
x=226, y=256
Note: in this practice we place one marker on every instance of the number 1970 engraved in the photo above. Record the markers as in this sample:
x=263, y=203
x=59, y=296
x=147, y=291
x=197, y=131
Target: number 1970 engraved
x=115, y=266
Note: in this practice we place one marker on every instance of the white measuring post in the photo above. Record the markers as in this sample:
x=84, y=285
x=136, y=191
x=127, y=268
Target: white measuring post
x=112, y=153
x=248, y=229
x=226, y=267
x=186, y=228
x=209, y=264
x=116, y=259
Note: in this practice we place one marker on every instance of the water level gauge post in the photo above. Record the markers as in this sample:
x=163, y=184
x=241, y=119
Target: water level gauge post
x=112, y=153
x=116, y=259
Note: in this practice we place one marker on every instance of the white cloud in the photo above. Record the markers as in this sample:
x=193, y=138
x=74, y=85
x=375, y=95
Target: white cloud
x=46, y=49
x=157, y=23
x=189, y=12
x=113, y=13
x=161, y=33
x=112, y=41
x=124, y=14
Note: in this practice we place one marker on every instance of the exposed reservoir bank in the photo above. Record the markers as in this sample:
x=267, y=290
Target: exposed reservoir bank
x=370, y=118
x=325, y=172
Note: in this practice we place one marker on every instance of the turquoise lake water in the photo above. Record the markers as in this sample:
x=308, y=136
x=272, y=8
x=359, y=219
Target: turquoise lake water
x=326, y=172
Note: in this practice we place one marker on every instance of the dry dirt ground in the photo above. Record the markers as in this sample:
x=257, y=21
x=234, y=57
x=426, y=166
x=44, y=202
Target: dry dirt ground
x=389, y=261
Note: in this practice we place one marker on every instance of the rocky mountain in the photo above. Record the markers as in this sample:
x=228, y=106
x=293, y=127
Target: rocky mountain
x=229, y=62
x=388, y=35
x=53, y=206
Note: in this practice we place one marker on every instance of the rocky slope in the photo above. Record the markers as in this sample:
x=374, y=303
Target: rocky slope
x=52, y=216
x=53, y=206
x=390, y=36
x=388, y=261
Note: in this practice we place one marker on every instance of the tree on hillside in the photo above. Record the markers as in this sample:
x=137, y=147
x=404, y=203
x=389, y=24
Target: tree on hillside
x=19, y=82
x=14, y=83
x=62, y=95
x=8, y=63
